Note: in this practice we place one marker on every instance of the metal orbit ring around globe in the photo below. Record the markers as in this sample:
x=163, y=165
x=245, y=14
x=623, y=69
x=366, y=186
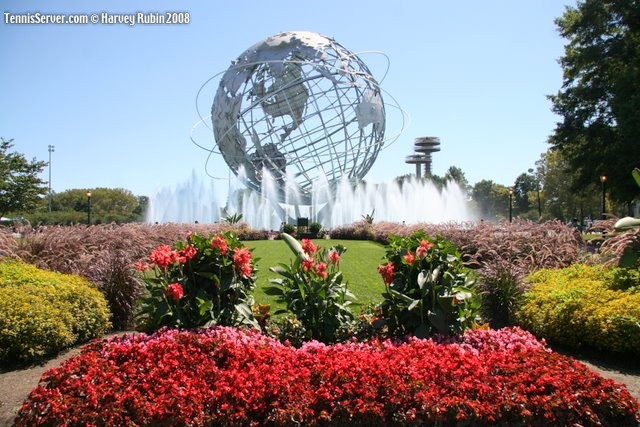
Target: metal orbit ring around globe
x=328, y=108
x=214, y=150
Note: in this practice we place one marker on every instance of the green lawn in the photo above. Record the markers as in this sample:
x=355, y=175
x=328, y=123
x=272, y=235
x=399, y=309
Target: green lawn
x=358, y=265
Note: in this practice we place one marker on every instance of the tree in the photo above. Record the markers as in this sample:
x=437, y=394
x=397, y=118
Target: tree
x=523, y=186
x=455, y=174
x=600, y=96
x=491, y=199
x=20, y=187
x=559, y=199
x=107, y=205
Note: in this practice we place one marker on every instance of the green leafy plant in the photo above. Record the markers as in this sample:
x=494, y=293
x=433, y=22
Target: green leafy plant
x=199, y=283
x=428, y=289
x=629, y=251
x=368, y=218
x=233, y=219
x=627, y=222
x=312, y=287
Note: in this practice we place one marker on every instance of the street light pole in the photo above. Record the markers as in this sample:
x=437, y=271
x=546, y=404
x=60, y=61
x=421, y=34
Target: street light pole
x=603, y=180
x=89, y=208
x=535, y=176
x=510, y=204
x=51, y=150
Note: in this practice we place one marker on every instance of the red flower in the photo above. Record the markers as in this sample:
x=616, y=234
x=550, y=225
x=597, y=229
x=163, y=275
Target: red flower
x=308, y=247
x=334, y=257
x=219, y=243
x=421, y=251
x=242, y=260
x=163, y=255
x=409, y=258
x=321, y=269
x=386, y=271
x=187, y=253
x=492, y=377
x=142, y=266
x=174, y=291
x=307, y=264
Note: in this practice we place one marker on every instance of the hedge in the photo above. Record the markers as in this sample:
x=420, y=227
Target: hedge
x=43, y=312
x=583, y=306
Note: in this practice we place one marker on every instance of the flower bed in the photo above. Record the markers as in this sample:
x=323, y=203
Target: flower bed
x=227, y=376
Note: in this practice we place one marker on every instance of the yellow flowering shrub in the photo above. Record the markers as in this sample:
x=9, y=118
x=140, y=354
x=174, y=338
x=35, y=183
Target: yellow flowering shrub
x=580, y=306
x=42, y=312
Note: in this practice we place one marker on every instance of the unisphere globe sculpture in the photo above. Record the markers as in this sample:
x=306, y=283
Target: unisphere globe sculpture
x=301, y=107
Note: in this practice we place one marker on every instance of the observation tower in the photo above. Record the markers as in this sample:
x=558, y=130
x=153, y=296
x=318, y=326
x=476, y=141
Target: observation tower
x=424, y=146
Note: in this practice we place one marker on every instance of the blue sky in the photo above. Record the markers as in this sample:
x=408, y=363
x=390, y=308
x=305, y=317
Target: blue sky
x=118, y=101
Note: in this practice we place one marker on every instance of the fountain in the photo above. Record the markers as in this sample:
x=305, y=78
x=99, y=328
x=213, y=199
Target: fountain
x=299, y=120
x=415, y=201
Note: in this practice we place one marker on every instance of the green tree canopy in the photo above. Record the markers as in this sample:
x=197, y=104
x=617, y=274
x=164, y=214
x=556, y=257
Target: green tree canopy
x=522, y=187
x=454, y=173
x=107, y=205
x=20, y=186
x=600, y=96
x=559, y=199
x=491, y=199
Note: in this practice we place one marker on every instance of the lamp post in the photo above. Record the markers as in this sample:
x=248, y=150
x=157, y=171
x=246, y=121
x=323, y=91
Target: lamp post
x=603, y=180
x=51, y=150
x=535, y=176
x=88, y=207
x=510, y=204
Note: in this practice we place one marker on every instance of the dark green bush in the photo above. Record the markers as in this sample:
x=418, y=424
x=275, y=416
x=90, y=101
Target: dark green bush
x=288, y=228
x=315, y=228
x=43, y=312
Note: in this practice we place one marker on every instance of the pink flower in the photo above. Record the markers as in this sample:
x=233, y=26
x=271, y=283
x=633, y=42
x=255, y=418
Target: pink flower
x=409, y=258
x=321, y=269
x=174, y=291
x=421, y=251
x=334, y=257
x=386, y=271
x=308, y=247
x=219, y=243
